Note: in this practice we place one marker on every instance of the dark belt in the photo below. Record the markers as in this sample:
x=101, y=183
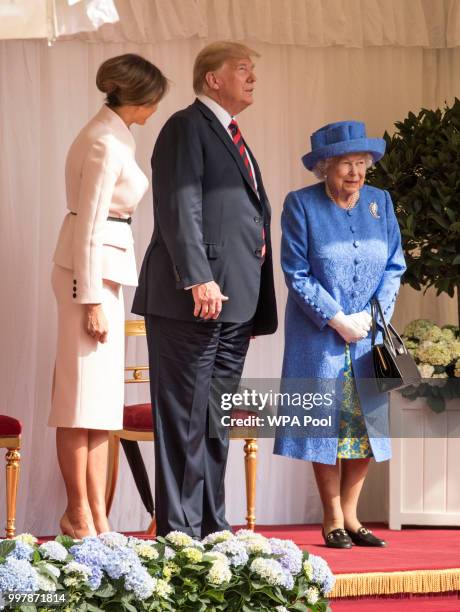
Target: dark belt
x=119, y=219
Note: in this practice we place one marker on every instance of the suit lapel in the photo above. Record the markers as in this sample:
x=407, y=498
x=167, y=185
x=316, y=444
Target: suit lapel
x=260, y=185
x=224, y=136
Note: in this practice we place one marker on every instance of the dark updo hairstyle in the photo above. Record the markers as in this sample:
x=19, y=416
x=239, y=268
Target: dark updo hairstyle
x=130, y=79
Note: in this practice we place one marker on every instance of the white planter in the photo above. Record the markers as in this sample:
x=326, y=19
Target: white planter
x=424, y=474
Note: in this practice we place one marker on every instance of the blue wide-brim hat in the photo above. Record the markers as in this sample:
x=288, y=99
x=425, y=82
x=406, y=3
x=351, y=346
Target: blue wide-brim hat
x=340, y=138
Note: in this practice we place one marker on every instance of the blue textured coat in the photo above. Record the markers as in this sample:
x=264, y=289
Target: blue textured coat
x=333, y=260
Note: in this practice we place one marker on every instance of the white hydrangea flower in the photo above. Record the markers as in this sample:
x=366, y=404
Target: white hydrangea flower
x=146, y=551
x=53, y=550
x=426, y=370
x=216, y=556
x=258, y=546
x=244, y=534
x=193, y=554
x=281, y=609
x=312, y=595
x=308, y=569
x=52, y=569
x=26, y=538
x=113, y=539
x=46, y=584
x=218, y=536
x=270, y=570
x=219, y=573
x=162, y=588
x=73, y=567
x=169, y=553
x=180, y=539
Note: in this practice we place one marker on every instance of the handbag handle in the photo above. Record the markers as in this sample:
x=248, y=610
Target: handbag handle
x=376, y=310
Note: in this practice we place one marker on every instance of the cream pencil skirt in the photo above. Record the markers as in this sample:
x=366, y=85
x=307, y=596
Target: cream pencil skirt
x=88, y=387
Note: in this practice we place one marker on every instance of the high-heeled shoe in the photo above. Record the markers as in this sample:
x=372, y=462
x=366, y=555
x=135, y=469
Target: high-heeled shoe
x=68, y=529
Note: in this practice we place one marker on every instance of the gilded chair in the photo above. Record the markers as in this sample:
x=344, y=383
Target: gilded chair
x=138, y=427
x=10, y=439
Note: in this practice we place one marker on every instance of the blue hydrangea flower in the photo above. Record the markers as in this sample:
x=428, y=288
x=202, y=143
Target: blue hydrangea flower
x=93, y=553
x=112, y=539
x=120, y=562
x=53, y=550
x=321, y=573
x=272, y=571
x=21, y=551
x=288, y=555
x=140, y=582
x=234, y=550
x=18, y=575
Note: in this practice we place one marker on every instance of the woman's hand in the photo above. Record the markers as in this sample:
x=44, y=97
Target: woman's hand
x=96, y=322
x=352, y=327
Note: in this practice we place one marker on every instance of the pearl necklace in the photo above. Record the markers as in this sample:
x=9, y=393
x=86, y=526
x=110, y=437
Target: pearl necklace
x=353, y=200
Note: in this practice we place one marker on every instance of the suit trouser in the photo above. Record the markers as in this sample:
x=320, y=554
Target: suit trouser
x=186, y=359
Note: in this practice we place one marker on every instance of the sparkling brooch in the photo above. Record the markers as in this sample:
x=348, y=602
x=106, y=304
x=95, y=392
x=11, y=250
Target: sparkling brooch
x=374, y=210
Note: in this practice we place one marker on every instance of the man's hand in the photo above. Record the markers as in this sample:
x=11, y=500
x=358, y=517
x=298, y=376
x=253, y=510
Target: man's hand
x=208, y=300
x=352, y=327
x=96, y=322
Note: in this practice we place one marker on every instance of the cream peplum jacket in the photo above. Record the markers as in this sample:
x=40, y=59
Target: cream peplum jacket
x=102, y=180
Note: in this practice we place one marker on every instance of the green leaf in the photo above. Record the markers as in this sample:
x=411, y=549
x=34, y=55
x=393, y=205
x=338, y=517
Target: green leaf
x=6, y=547
x=65, y=540
x=92, y=608
x=300, y=607
x=106, y=591
x=127, y=606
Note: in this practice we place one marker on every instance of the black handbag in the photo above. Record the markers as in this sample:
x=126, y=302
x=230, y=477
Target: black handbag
x=394, y=366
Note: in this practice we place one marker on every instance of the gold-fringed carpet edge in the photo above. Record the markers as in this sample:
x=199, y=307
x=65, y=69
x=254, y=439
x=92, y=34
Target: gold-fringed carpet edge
x=388, y=583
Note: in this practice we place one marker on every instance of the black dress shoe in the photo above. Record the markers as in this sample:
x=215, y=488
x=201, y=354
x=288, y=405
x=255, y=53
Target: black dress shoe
x=365, y=537
x=337, y=538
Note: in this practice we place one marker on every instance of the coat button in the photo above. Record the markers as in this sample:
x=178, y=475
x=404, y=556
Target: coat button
x=258, y=252
x=258, y=219
x=74, y=294
x=354, y=294
x=355, y=278
x=349, y=213
x=356, y=244
x=353, y=228
x=356, y=261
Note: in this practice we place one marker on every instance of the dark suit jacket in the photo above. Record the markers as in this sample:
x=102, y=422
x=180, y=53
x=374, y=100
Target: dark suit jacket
x=207, y=225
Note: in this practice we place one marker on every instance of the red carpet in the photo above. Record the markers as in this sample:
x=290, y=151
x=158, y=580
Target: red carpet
x=408, y=549
x=415, y=603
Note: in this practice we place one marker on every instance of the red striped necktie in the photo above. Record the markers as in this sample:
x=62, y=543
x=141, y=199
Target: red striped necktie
x=239, y=143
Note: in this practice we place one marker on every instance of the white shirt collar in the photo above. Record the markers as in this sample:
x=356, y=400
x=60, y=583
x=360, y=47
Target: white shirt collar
x=224, y=116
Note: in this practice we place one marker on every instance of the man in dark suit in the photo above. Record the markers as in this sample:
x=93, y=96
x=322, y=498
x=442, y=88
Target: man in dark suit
x=206, y=284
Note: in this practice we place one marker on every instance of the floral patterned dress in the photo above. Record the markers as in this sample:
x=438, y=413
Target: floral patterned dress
x=353, y=439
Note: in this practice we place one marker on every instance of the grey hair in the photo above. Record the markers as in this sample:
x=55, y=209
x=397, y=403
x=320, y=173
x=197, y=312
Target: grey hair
x=320, y=169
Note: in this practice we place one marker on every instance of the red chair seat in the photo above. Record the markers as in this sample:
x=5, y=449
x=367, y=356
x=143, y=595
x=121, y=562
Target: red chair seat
x=9, y=427
x=138, y=417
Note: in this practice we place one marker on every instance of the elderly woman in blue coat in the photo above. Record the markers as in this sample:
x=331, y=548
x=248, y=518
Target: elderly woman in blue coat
x=341, y=247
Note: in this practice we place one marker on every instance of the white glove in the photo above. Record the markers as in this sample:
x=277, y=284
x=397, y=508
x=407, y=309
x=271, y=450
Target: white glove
x=363, y=319
x=352, y=327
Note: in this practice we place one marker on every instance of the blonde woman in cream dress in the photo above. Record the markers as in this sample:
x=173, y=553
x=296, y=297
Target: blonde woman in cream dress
x=94, y=257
